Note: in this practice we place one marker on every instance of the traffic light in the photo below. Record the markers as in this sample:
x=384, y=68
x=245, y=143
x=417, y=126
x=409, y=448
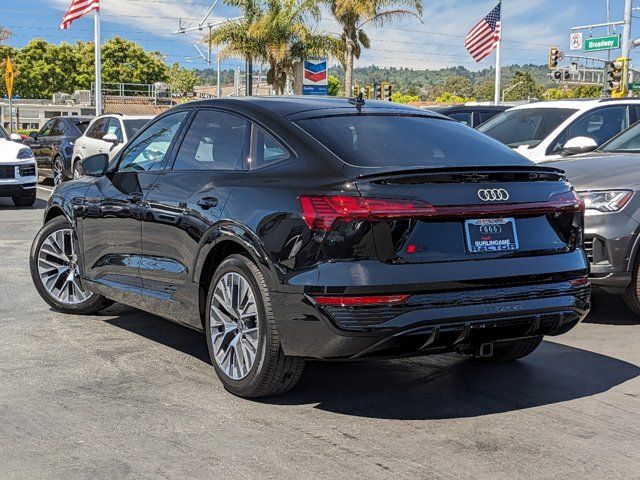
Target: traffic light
x=554, y=57
x=356, y=90
x=367, y=92
x=615, y=78
x=377, y=91
x=386, y=91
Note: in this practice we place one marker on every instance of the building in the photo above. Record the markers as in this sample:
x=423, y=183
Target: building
x=32, y=114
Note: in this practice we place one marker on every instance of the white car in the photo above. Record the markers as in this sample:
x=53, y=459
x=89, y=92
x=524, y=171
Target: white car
x=552, y=130
x=107, y=134
x=18, y=170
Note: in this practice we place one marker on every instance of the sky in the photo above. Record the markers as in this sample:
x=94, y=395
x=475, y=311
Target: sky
x=434, y=41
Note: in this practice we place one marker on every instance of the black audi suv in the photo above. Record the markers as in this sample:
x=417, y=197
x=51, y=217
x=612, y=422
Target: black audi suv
x=309, y=228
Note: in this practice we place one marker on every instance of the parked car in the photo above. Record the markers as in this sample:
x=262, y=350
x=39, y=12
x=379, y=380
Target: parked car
x=18, y=170
x=53, y=146
x=472, y=115
x=609, y=182
x=550, y=130
x=107, y=134
x=291, y=228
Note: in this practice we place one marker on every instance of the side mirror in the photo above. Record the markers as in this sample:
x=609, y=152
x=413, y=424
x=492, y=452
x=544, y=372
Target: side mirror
x=93, y=166
x=579, y=145
x=14, y=137
x=33, y=135
x=111, y=138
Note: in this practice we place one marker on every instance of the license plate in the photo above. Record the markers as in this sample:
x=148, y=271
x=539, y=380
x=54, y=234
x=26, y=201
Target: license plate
x=491, y=235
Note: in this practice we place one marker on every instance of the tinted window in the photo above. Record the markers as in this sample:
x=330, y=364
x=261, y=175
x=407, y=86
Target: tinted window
x=147, y=152
x=487, y=115
x=81, y=125
x=527, y=126
x=45, y=131
x=3, y=133
x=98, y=129
x=266, y=150
x=407, y=141
x=629, y=141
x=601, y=125
x=462, y=117
x=215, y=141
x=58, y=129
x=134, y=126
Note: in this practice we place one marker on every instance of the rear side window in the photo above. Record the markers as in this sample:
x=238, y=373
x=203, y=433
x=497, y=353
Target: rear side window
x=407, y=142
x=215, y=141
x=265, y=149
x=462, y=117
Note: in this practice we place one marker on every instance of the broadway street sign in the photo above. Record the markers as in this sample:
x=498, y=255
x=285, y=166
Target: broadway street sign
x=610, y=42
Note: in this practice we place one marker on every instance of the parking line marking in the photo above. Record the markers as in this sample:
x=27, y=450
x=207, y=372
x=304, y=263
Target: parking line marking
x=45, y=188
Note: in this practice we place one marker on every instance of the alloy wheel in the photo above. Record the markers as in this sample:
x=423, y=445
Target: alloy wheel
x=58, y=268
x=234, y=325
x=58, y=172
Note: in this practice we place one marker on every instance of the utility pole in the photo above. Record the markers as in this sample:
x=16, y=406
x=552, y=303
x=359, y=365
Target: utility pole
x=626, y=28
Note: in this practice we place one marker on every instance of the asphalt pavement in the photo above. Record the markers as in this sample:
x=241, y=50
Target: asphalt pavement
x=125, y=394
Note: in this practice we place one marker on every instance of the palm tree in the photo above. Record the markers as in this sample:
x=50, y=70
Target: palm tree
x=276, y=32
x=354, y=15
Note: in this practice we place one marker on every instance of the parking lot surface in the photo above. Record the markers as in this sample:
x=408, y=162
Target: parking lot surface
x=128, y=395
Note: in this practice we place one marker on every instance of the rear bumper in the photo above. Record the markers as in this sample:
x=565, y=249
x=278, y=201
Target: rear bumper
x=428, y=323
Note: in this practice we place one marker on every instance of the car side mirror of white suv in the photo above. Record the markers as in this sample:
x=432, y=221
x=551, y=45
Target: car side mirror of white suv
x=111, y=138
x=579, y=145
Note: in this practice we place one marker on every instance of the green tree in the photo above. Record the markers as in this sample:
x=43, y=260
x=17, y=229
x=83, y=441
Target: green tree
x=459, y=86
x=354, y=15
x=127, y=62
x=333, y=86
x=485, y=91
x=181, y=80
x=523, y=87
x=404, y=98
x=448, y=97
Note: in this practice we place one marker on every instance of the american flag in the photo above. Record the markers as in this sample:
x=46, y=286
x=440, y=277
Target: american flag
x=77, y=9
x=484, y=37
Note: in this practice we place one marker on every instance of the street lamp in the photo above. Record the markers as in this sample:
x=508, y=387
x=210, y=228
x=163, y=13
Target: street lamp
x=507, y=90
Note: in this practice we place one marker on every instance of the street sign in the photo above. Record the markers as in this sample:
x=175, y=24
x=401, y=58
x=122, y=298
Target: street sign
x=8, y=77
x=610, y=42
x=315, y=78
x=575, y=41
x=634, y=87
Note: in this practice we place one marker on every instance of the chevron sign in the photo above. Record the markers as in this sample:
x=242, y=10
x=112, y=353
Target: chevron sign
x=314, y=81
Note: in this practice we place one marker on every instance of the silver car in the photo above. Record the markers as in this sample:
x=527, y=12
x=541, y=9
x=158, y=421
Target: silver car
x=608, y=179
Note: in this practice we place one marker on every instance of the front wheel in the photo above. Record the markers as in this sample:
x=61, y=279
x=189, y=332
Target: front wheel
x=56, y=274
x=241, y=333
x=631, y=295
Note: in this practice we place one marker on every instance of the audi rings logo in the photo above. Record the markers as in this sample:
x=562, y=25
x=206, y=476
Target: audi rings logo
x=493, y=195
x=490, y=229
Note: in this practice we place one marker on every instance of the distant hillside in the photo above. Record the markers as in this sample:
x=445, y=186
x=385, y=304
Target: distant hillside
x=405, y=79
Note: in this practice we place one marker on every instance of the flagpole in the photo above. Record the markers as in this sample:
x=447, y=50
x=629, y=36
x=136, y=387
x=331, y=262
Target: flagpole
x=498, y=71
x=98, y=62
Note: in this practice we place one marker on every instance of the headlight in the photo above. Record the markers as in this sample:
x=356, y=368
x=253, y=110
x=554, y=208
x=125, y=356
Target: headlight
x=606, y=202
x=25, y=154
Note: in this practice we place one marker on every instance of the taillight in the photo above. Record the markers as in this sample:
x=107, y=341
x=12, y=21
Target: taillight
x=369, y=300
x=321, y=212
x=567, y=201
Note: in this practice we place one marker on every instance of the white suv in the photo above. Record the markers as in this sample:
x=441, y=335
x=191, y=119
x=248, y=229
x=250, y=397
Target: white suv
x=551, y=130
x=18, y=170
x=107, y=134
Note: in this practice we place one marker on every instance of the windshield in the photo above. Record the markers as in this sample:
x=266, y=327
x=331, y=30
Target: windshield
x=408, y=141
x=133, y=126
x=3, y=133
x=526, y=126
x=627, y=141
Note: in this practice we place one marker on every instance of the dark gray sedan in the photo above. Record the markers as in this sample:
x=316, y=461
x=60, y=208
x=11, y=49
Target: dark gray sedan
x=608, y=180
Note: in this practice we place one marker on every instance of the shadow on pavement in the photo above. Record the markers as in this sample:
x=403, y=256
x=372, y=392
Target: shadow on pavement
x=438, y=387
x=610, y=309
x=8, y=204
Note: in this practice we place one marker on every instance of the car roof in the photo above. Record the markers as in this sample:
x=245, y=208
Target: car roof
x=578, y=103
x=457, y=108
x=287, y=106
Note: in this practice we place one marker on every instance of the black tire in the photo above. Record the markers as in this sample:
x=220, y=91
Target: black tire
x=272, y=372
x=631, y=295
x=91, y=305
x=512, y=351
x=26, y=200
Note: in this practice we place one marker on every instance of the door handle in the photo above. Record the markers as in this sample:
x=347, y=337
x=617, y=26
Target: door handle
x=135, y=197
x=208, y=202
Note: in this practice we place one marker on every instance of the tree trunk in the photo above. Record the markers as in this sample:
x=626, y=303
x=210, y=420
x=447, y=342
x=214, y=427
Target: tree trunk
x=348, y=72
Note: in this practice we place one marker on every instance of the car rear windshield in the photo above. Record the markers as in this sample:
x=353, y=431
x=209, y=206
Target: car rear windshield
x=527, y=126
x=133, y=126
x=407, y=141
